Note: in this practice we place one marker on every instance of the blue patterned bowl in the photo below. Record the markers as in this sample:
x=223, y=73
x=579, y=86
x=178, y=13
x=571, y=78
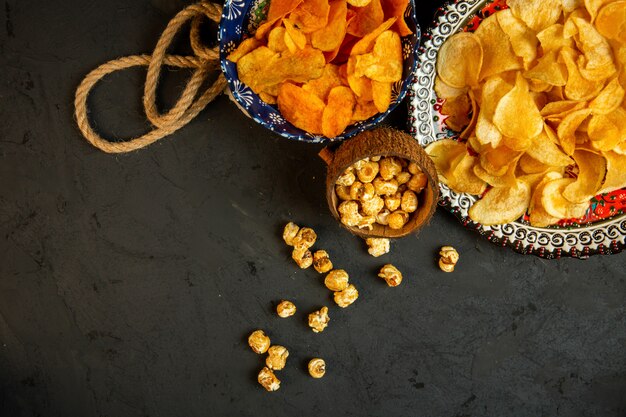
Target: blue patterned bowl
x=242, y=17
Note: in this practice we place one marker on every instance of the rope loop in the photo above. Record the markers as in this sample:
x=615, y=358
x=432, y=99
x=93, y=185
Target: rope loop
x=191, y=101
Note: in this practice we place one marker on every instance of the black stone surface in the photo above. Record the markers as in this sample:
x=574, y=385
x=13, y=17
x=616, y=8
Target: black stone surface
x=129, y=283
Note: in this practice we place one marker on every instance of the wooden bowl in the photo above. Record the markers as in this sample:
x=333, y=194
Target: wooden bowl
x=382, y=142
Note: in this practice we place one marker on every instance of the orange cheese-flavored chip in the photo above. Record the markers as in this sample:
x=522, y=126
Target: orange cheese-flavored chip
x=278, y=9
x=311, y=15
x=276, y=39
x=330, y=37
x=297, y=36
x=366, y=19
x=244, y=48
x=321, y=86
x=381, y=93
x=338, y=112
x=301, y=108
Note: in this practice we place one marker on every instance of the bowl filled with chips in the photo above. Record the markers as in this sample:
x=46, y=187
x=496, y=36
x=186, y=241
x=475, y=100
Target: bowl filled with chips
x=520, y=104
x=318, y=70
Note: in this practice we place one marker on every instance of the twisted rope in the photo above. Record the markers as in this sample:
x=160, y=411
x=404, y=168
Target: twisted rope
x=190, y=102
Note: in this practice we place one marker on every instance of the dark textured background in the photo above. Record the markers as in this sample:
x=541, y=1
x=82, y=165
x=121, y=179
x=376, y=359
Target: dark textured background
x=128, y=284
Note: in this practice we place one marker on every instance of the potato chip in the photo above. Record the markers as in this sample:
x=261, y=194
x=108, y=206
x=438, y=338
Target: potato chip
x=277, y=10
x=498, y=55
x=537, y=14
x=330, y=37
x=571, y=5
x=276, y=39
x=530, y=165
x=457, y=110
x=338, y=112
x=268, y=98
x=301, y=108
x=297, y=36
x=516, y=114
x=591, y=171
x=593, y=6
x=290, y=43
x=444, y=91
x=604, y=134
x=553, y=39
x=544, y=150
x=506, y=180
x=384, y=63
x=467, y=132
x=362, y=86
x=548, y=70
x=366, y=19
x=611, y=21
x=363, y=111
x=321, y=86
x=496, y=161
x=252, y=66
x=442, y=153
x=567, y=128
x=381, y=93
x=366, y=43
x=523, y=40
x=493, y=90
x=310, y=15
x=461, y=176
x=615, y=172
x=537, y=86
x=609, y=99
x=359, y=3
x=577, y=87
x=556, y=205
x=396, y=8
x=244, y=48
x=599, y=63
x=559, y=109
x=538, y=216
x=452, y=65
x=501, y=204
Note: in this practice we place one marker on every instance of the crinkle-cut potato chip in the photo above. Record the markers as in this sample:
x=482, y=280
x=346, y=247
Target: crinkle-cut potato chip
x=443, y=153
x=252, y=66
x=507, y=180
x=593, y=6
x=548, y=70
x=461, y=176
x=611, y=21
x=329, y=38
x=591, y=172
x=457, y=110
x=381, y=94
x=297, y=36
x=615, y=172
x=366, y=43
x=359, y=3
x=556, y=205
x=321, y=86
x=609, y=99
x=544, y=150
x=567, y=129
x=444, y=91
x=338, y=112
x=277, y=10
x=384, y=63
x=501, y=204
x=301, y=108
x=498, y=55
x=523, y=40
x=493, y=90
x=453, y=66
x=364, y=110
x=244, y=48
x=538, y=216
x=366, y=19
x=276, y=39
x=496, y=161
x=310, y=15
x=396, y=8
x=577, y=87
x=553, y=39
x=537, y=14
x=599, y=63
x=516, y=114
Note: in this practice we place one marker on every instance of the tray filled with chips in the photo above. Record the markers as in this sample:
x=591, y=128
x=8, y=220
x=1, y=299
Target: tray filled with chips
x=520, y=104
